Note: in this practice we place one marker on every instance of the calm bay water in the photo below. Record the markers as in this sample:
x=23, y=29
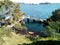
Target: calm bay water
x=38, y=11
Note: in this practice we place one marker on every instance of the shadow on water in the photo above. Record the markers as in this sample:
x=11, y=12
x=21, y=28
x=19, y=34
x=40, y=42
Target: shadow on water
x=49, y=42
x=34, y=26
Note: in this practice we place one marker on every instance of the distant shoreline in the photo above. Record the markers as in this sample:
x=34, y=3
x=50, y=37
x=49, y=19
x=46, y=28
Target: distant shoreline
x=39, y=3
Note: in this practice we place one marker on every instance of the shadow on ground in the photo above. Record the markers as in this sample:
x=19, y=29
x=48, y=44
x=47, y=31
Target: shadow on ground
x=49, y=42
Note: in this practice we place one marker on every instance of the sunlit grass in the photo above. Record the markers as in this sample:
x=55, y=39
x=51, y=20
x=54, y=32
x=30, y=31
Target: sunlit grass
x=16, y=39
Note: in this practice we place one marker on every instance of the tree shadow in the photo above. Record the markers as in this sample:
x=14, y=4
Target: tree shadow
x=49, y=42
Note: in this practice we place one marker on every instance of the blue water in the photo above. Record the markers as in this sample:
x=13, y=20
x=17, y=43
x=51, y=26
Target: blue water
x=39, y=11
x=34, y=26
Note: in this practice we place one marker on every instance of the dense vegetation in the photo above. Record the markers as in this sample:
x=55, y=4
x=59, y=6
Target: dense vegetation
x=53, y=27
x=16, y=15
x=56, y=15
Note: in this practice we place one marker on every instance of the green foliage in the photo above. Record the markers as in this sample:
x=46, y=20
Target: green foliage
x=5, y=31
x=16, y=16
x=53, y=29
x=56, y=15
x=18, y=25
x=55, y=25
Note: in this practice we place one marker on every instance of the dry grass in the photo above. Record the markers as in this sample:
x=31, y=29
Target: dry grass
x=16, y=39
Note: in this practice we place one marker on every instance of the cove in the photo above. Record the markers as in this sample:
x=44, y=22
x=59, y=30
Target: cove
x=39, y=11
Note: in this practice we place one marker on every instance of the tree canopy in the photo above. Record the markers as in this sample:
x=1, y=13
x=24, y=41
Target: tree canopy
x=56, y=15
x=53, y=27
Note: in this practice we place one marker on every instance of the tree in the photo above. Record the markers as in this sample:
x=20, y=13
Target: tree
x=5, y=31
x=53, y=27
x=56, y=15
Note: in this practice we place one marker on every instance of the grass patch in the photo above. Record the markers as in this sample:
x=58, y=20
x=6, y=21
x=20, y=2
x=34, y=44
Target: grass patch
x=16, y=39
